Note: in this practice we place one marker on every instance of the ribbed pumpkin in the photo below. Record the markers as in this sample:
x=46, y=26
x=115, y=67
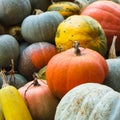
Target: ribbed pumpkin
x=14, y=11
x=107, y=13
x=42, y=27
x=73, y=67
x=90, y=101
x=34, y=57
x=9, y=49
x=65, y=8
x=84, y=29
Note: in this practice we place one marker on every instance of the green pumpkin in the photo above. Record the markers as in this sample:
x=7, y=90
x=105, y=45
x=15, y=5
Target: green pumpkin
x=14, y=11
x=42, y=27
x=9, y=49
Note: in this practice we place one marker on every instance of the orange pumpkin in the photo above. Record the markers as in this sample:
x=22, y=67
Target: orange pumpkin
x=107, y=13
x=74, y=66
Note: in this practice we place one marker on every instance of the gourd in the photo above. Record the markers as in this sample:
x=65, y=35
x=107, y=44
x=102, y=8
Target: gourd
x=9, y=49
x=89, y=101
x=13, y=105
x=39, y=99
x=42, y=27
x=14, y=11
x=34, y=57
x=107, y=13
x=74, y=66
x=84, y=29
x=65, y=8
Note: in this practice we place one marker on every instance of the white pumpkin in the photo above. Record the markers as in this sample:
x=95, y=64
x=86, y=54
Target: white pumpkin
x=89, y=101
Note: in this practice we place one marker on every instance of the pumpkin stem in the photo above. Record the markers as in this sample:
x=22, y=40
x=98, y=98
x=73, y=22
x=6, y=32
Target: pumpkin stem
x=4, y=79
x=76, y=46
x=112, y=51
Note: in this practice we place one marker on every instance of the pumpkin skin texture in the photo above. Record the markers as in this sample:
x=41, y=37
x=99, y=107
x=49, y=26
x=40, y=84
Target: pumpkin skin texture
x=107, y=13
x=41, y=102
x=84, y=29
x=90, y=101
x=9, y=49
x=14, y=11
x=113, y=78
x=65, y=8
x=67, y=70
x=34, y=57
x=35, y=27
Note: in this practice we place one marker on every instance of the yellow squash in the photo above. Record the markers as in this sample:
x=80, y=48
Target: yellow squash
x=13, y=105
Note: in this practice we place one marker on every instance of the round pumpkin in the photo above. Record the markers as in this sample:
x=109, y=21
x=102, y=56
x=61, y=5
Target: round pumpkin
x=42, y=27
x=107, y=13
x=39, y=99
x=65, y=8
x=90, y=101
x=14, y=11
x=84, y=29
x=72, y=67
x=9, y=49
x=34, y=57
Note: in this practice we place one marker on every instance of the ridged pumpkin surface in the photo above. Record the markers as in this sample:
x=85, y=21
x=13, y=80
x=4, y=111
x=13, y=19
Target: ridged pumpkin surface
x=65, y=8
x=90, y=101
x=84, y=29
x=67, y=70
x=107, y=13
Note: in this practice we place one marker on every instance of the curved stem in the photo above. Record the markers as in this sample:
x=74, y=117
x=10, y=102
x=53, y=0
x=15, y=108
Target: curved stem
x=77, y=49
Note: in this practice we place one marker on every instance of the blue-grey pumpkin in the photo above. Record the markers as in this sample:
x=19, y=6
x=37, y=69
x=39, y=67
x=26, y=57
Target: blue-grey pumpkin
x=42, y=27
x=14, y=11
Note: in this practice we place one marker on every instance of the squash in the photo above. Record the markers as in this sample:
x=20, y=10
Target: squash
x=65, y=8
x=42, y=27
x=34, y=57
x=84, y=29
x=90, y=101
x=39, y=99
x=107, y=13
x=13, y=105
x=14, y=11
x=73, y=67
x=9, y=49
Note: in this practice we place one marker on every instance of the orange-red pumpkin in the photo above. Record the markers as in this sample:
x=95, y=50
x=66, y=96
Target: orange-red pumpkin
x=73, y=67
x=107, y=13
x=34, y=57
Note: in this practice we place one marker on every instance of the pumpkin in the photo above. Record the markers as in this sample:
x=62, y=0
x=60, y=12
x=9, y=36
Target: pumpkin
x=40, y=4
x=84, y=29
x=39, y=99
x=74, y=66
x=9, y=49
x=107, y=13
x=14, y=11
x=34, y=57
x=90, y=101
x=42, y=27
x=65, y=8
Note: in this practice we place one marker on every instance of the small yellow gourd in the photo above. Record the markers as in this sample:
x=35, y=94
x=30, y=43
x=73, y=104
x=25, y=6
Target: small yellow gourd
x=13, y=105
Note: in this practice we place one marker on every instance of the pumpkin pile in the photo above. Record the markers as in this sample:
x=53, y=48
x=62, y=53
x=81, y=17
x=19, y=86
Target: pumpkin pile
x=59, y=59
